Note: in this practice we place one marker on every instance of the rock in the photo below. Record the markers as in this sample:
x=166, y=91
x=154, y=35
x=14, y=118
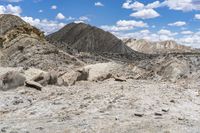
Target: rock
x=139, y=114
x=158, y=114
x=46, y=78
x=172, y=101
x=33, y=84
x=72, y=77
x=11, y=80
x=120, y=79
x=102, y=71
x=165, y=110
x=61, y=82
x=33, y=72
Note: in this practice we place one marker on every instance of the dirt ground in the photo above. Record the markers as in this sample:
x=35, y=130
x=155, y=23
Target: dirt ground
x=134, y=106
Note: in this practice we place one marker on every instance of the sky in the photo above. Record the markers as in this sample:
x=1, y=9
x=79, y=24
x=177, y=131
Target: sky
x=154, y=20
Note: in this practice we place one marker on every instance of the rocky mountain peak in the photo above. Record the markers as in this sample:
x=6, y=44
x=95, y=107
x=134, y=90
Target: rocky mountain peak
x=8, y=21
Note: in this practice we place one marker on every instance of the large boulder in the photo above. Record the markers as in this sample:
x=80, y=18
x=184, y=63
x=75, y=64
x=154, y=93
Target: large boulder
x=11, y=80
x=72, y=77
x=102, y=71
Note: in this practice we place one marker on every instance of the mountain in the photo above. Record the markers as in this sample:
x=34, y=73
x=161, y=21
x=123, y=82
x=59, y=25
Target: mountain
x=8, y=21
x=145, y=46
x=22, y=45
x=86, y=38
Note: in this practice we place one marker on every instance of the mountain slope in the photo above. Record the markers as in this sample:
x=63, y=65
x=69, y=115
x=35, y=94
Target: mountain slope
x=86, y=38
x=145, y=46
x=25, y=46
x=8, y=21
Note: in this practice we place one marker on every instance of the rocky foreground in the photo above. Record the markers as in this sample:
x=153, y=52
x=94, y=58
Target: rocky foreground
x=109, y=106
x=73, y=82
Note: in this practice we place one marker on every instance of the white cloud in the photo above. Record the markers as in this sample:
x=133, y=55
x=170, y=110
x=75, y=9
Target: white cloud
x=190, y=40
x=78, y=22
x=10, y=9
x=153, y=5
x=40, y=11
x=166, y=32
x=98, y=4
x=84, y=18
x=60, y=16
x=45, y=25
x=145, y=32
x=131, y=23
x=197, y=16
x=183, y=5
x=145, y=14
x=70, y=18
x=125, y=25
x=11, y=0
x=178, y=23
x=134, y=6
x=187, y=32
x=53, y=7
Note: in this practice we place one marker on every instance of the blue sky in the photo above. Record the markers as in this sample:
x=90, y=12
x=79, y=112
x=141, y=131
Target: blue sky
x=154, y=20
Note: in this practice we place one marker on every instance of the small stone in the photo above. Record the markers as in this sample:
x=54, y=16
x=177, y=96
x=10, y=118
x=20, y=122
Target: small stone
x=165, y=110
x=139, y=114
x=158, y=114
x=172, y=101
x=33, y=84
x=120, y=79
x=180, y=118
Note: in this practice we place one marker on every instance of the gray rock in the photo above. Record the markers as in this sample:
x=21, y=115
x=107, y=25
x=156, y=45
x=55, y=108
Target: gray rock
x=11, y=80
x=33, y=84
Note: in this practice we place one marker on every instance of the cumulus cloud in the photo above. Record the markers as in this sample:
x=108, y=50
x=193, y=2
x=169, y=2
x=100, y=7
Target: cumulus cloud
x=145, y=14
x=131, y=23
x=10, y=9
x=166, y=32
x=153, y=5
x=99, y=4
x=134, y=6
x=45, y=25
x=178, y=23
x=183, y=5
x=60, y=16
x=187, y=32
x=124, y=25
x=142, y=11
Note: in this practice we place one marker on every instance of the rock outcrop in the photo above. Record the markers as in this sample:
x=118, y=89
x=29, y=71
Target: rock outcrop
x=145, y=46
x=11, y=80
x=8, y=21
x=25, y=46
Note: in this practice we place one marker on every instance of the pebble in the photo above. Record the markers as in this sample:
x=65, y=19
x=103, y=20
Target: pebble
x=158, y=114
x=139, y=114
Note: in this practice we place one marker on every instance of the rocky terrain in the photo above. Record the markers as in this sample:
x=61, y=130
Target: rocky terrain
x=83, y=79
x=145, y=46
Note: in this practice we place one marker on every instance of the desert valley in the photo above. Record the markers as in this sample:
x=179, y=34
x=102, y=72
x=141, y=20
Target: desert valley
x=82, y=79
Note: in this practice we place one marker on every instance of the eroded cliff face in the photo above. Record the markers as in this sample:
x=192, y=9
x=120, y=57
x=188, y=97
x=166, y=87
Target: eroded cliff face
x=145, y=46
x=23, y=45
